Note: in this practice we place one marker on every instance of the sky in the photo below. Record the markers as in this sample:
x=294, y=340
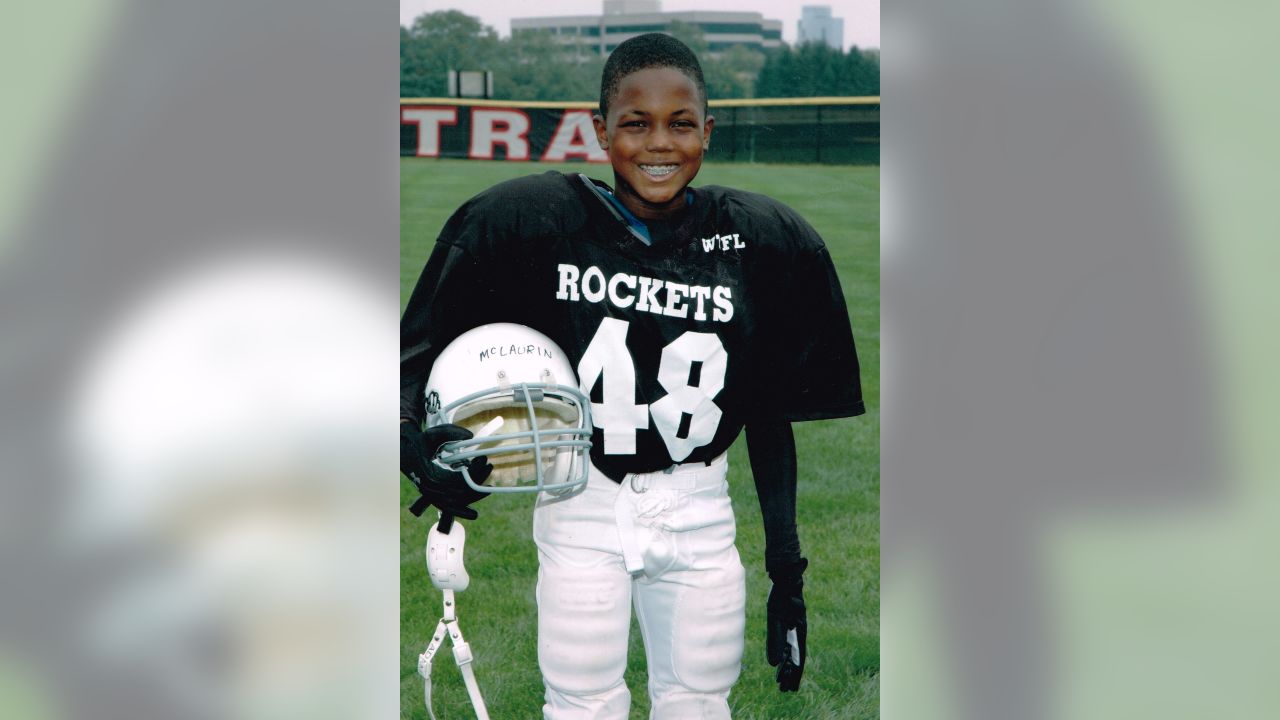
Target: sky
x=861, y=17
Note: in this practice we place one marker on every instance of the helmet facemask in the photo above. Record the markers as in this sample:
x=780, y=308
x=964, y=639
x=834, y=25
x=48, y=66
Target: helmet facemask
x=510, y=466
x=552, y=424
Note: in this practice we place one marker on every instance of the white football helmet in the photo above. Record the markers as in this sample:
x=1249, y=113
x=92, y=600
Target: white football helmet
x=514, y=389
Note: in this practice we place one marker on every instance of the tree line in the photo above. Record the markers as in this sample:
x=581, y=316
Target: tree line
x=533, y=66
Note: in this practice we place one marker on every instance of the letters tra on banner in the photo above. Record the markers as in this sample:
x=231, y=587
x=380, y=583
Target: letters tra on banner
x=494, y=132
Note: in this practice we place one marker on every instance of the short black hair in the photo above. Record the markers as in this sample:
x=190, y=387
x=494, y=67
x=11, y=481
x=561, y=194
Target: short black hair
x=651, y=50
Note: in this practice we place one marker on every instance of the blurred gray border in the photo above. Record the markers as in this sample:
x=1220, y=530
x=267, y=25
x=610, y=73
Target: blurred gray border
x=206, y=130
x=1046, y=351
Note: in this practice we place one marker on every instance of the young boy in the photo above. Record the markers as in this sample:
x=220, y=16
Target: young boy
x=688, y=314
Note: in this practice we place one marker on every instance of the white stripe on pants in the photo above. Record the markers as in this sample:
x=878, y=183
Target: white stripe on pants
x=689, y=595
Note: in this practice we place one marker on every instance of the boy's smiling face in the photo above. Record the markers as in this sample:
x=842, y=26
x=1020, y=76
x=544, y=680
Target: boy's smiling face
x=655, y=135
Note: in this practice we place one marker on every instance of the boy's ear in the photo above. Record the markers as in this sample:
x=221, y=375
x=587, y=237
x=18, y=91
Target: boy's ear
x=602, y=137
x=706, y=131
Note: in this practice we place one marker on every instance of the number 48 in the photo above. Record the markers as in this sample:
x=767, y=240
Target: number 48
x=692, y=372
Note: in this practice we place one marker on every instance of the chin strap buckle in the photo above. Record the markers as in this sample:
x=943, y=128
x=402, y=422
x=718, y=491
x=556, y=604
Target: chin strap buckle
x=444, y=563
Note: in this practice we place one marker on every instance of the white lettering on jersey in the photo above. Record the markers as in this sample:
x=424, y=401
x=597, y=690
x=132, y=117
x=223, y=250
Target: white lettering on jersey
x=724, y=308
x=575, y=285
x=649, y=295
x=607, y=361
x=568, y=282
x=675, y=294
x=682, y=399
x=614, y=297
x=702, y=293
x=597, y=294
x=724, y=241
x=620, y=418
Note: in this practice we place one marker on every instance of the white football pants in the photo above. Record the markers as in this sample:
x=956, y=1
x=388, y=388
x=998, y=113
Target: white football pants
x=663, y=541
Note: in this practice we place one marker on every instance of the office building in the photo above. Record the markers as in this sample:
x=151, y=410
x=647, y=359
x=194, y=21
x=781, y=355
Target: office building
x=623, y=19
x=817, y=26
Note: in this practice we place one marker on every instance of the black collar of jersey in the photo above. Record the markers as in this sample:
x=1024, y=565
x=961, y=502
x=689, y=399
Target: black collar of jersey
x=600, y=210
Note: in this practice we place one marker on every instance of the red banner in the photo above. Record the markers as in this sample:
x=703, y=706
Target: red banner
x=775, y=130
x=499, y=133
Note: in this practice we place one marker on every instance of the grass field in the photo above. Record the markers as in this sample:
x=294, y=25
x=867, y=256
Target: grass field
x=839, y=494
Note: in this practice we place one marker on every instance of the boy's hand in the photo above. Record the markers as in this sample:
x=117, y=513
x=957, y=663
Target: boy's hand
x=787, y=627
x=446, y=489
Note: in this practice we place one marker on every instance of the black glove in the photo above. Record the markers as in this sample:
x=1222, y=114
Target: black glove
x=446, y=489
x=785, y=615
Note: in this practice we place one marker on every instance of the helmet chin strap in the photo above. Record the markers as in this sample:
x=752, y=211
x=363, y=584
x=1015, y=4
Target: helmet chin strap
x=445, y=543
x=445, y=568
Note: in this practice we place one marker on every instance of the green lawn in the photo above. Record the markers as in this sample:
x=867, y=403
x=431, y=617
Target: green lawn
x=839, y=497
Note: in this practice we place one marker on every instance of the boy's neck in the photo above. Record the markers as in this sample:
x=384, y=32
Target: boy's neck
x=651, y=231
x=648, y=212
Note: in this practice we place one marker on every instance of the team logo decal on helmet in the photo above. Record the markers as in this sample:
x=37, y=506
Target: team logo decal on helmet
x=514, y=389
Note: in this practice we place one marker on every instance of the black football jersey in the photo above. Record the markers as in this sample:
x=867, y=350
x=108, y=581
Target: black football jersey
x=734, y=314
